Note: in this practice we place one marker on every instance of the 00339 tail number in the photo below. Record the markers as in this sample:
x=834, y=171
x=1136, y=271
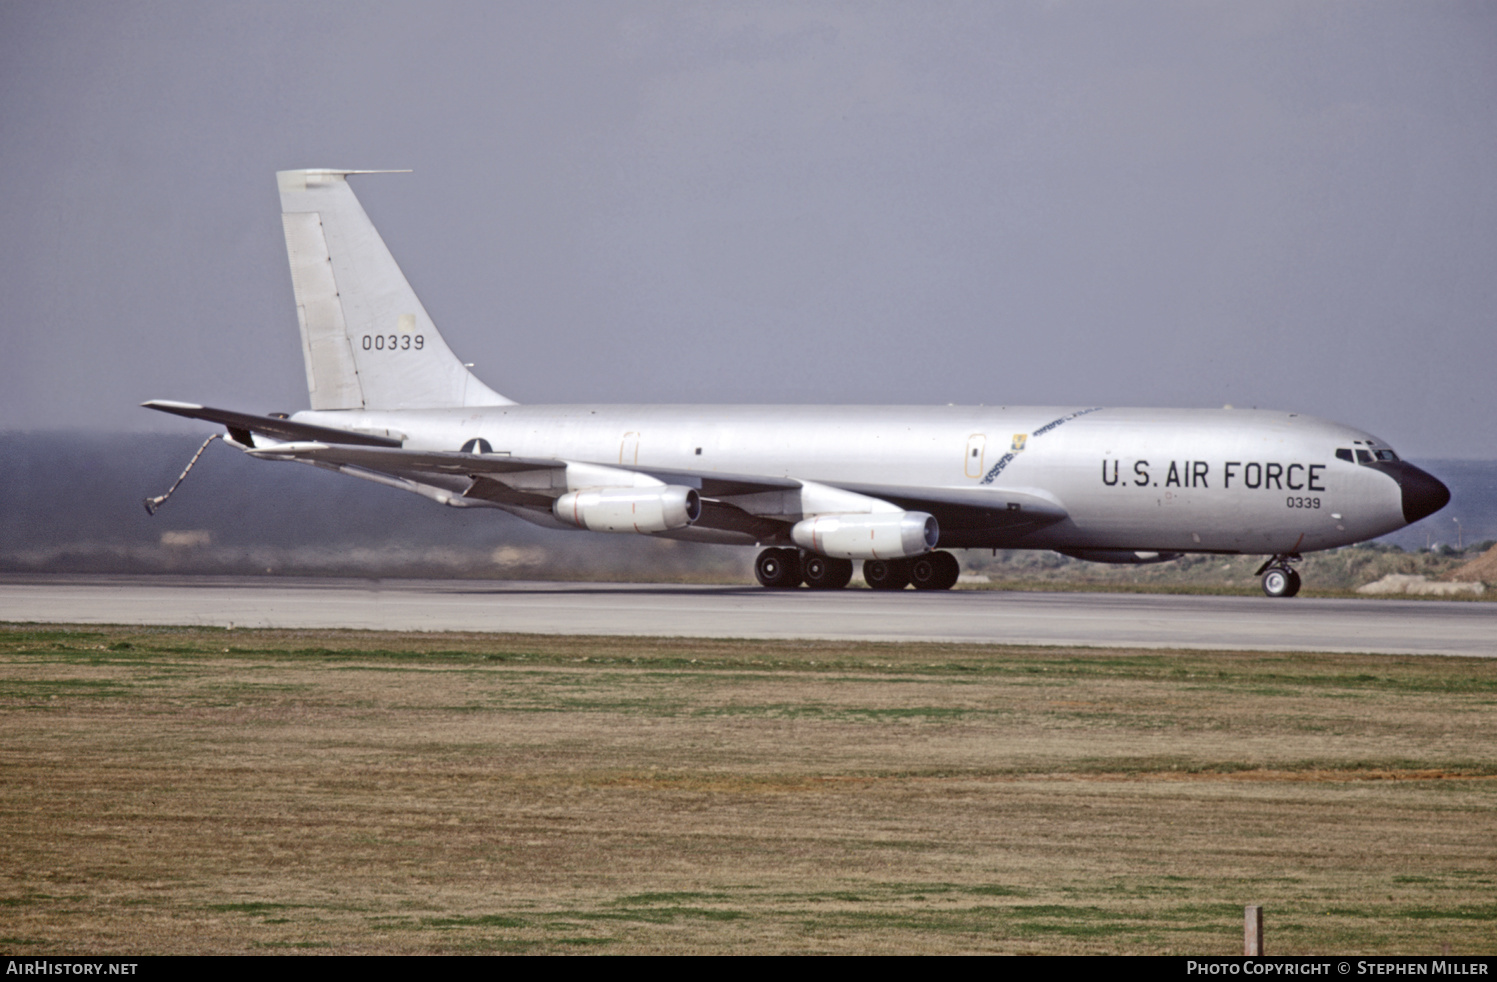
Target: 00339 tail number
x=394, y=342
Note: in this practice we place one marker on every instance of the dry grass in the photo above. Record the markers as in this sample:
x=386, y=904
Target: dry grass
x=1334, y=573
x=211, y=791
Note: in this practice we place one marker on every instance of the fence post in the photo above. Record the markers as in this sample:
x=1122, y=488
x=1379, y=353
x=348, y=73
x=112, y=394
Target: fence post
x=1252, y=931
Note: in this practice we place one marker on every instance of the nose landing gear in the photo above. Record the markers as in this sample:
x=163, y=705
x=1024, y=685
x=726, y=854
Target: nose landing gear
x=1279, y=578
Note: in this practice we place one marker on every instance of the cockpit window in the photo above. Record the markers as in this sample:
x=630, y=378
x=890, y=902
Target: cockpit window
x=1366, y=456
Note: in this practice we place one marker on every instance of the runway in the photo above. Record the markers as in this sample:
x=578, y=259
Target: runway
x=1424, y=627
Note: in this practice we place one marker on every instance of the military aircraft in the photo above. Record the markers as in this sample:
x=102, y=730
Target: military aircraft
x=820, y=486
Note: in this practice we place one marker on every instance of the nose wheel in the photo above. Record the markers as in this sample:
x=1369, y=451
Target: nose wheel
x=1279, y=578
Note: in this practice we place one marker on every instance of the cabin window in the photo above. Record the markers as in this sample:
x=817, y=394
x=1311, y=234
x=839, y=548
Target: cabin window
x=1363, y=456
x=1344, y=454
x=1387, y=455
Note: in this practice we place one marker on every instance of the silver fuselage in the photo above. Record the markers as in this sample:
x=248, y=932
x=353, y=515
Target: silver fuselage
x=1168, y=480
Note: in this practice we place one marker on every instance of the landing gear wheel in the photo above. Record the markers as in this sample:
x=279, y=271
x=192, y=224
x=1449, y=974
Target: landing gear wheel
x=778, y=569
x=1281, y=581
x=823, y=573
x=1279, y=578
x=935, y=571
x=886, y=574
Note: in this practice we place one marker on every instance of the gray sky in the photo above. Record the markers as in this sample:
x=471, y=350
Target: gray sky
x=1288, y=205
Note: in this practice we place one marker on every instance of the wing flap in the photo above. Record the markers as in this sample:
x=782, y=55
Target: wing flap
x=488, y=489
x=391, y=460
x=711, y=484
x=965, y=514
x=725, y=517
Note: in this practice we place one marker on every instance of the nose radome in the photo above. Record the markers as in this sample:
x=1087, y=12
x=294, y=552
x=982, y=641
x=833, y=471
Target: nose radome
x=1423, y=494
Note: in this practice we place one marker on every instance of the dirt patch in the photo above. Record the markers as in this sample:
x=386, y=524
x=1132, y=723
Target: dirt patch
x=1482, y=569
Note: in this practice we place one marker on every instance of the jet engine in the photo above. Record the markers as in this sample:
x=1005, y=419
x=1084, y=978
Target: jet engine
x=648, y=509
x=876, y=535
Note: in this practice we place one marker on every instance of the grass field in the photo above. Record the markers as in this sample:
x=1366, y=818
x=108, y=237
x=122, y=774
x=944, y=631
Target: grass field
x=178, y=790
x=1334, y=573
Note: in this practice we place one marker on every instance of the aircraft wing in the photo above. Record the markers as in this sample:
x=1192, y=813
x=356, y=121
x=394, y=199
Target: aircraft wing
x=406, y=463
x=428, y=467
x=965, y=511
x=711, y=484
x=240, y=425
x=487, y=472
x=961, y=512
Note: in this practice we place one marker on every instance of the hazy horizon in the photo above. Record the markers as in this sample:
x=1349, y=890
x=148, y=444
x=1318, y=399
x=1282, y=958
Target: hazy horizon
x=86, y=488
x=1284, y=205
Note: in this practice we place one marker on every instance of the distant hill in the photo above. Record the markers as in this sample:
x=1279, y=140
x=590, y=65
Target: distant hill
x=72, y=503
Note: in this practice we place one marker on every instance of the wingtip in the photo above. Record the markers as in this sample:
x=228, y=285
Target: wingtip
x=168, y=404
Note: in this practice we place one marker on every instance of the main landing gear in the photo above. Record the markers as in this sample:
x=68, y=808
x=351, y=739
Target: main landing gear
x=825, y=573
x=785, y=569
x=1279, y=578
x=778, y=569
x=886, y=574
x=932, y=571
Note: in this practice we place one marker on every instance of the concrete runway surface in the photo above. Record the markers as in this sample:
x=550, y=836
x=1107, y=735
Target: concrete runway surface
x=1094, y=619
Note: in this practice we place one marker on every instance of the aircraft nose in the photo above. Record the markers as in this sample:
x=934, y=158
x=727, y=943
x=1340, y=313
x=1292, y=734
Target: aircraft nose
x=1423, y=494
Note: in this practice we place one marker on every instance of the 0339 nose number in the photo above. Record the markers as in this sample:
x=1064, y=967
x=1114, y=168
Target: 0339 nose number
x=1293, y=502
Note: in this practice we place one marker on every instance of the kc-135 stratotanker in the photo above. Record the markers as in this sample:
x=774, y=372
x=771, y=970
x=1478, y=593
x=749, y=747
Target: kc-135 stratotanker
x=821, y=486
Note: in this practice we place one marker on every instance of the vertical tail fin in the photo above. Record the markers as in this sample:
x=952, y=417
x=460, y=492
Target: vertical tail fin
x=367, y=341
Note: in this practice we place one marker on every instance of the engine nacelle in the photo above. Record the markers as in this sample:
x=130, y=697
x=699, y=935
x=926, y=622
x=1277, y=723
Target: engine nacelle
x=648, y=509
x=876, y=535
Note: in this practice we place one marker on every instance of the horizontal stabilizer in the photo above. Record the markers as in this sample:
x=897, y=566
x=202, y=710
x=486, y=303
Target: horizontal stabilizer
x=272, y=426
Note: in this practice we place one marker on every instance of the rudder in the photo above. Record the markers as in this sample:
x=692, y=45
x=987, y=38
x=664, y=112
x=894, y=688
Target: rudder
x=367, y=341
